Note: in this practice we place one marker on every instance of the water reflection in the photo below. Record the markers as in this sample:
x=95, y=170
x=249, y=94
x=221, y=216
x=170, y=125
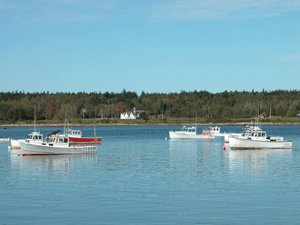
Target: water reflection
x=257, y=158
x=189, y=143
x=183, y=147
x=52, y=163
x=189, y=148
x=187, y=156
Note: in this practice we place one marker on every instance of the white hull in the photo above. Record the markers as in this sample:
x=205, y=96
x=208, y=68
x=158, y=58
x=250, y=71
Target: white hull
x=46, y=149
x=15, y=144
x=218, y=134
x=227, y=135
x=240, y=143
x=187, y=135
x=4, y=139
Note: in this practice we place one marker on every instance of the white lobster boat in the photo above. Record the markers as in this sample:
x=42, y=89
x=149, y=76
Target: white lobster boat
x=33, y=137
x=258, y=139
x=246, y=131
x=75, y=137
x=55, y=145
x=189, y=133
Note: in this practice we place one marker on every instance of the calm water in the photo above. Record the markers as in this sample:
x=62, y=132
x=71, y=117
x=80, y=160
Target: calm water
x=138, y=177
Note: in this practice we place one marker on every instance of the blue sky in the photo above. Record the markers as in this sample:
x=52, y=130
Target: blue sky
x=151, y=46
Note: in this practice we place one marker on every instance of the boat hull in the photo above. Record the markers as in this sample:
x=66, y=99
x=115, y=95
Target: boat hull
x=84, y=140
x=239, y=143
x=182, y=135
x=227, y=135
x=15, y=144
x=40, y=149
x=4, y=139
x=218, y=134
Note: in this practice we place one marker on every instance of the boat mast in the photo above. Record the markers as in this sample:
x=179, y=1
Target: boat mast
x=66, y=122
x=196, y=122
x=94, y=127
x=34, y=119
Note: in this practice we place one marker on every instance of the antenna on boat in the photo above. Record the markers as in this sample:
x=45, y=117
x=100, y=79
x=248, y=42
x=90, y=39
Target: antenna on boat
x=34, y=119
x=196, y=121
x=66, y=121
x=95, y=125
x=94, y=128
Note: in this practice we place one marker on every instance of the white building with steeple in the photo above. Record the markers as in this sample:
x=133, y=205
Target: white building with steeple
x=130, y=115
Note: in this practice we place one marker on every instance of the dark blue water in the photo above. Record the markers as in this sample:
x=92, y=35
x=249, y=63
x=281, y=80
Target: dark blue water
x=138, y=177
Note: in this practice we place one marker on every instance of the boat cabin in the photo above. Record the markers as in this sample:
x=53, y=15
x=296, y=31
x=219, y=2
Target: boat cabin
x=34, y=137
x=255, y=134
x=57, y=139
x=248, y=131
x=73, y=133
x=215, y=130
x=259, y=134
x=189, y=129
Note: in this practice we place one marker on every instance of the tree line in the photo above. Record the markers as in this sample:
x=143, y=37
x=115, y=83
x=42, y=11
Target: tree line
x=19, y=106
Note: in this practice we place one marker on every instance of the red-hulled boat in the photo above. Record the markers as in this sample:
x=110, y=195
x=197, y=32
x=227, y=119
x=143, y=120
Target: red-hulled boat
x=76, y=138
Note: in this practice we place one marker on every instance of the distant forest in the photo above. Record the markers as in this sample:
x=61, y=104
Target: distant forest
x=18, y=106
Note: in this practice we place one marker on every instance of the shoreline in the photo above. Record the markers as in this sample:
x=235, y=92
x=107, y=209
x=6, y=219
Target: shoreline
x=145, y=125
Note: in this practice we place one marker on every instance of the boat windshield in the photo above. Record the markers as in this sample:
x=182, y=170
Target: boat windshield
x=73, y=132
x=214, y=128
x=29, y=136
x=52, y=139
x=259, y=134
x=184, y=128
x=35, y=136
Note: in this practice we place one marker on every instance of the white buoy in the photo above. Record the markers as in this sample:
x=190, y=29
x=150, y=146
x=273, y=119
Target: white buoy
x=9, y=147
x=166, y=138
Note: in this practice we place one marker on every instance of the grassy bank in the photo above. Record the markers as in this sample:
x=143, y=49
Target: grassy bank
x=156, y=121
